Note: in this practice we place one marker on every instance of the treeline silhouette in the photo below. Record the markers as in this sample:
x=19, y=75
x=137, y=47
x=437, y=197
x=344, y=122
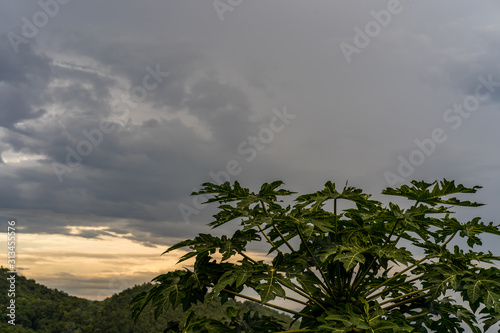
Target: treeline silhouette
x=41, y=309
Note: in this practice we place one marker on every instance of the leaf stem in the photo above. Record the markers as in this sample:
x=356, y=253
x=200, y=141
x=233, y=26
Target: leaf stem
x=269, y=239
x=247, y=258
x=359, y=278
x=330, y=289
x=284, y=239
x=449, y=239
x=335, y=217
x=338, y=280
x=393, y=287
x=296, y=300
x=407, y=268
x=402, y=296
x=419, y=315
x=267, y=304
x=395, y=276
x=309, y=297
x=276, y=228
x=405, y=301
x=392, y=232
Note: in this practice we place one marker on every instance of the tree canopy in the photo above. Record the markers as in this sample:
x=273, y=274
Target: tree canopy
x=348, y=270
x=45, y=310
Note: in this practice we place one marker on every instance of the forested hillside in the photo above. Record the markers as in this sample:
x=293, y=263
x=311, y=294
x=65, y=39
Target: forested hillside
x=41, y=309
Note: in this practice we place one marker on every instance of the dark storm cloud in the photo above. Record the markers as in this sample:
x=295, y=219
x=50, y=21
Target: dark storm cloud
x=191, y=83
x=85, y=93
x=128, y=170
x=140, y=165
x=353, y=118
x=23, y=82
x=139, y=171
x=223, y=107
x=129, y=58
x=352, y=122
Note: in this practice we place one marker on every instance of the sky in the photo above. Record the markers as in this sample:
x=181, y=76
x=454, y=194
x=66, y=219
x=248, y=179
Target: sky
x=112, y=113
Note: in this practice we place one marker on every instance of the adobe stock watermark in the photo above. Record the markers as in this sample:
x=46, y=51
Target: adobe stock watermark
x=94, y=137
x=223, y=6
x=31, y=26
x=248, y=149
x=12, y=272
x=372, y=29
x=454, y=117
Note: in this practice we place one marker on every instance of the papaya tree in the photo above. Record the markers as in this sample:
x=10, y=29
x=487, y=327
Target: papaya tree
x=367, y=267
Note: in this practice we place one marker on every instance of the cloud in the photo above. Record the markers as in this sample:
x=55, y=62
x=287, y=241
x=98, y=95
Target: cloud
x=23, y=80
x=224, y=79
x=141, y=169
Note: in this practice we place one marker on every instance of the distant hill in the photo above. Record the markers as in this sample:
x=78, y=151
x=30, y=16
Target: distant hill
x=41, y=309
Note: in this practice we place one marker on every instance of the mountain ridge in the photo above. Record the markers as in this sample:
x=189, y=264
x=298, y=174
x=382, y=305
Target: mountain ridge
x=41, y=309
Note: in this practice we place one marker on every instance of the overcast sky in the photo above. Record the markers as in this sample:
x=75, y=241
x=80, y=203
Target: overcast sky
x=111, y=113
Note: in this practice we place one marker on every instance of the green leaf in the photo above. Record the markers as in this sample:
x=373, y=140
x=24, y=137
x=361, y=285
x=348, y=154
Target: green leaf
x=490, y=320
x=270, y=288
x=421, y=192
x=351, y=258
x=232, y=312
x=227, y=279
x=484, y=286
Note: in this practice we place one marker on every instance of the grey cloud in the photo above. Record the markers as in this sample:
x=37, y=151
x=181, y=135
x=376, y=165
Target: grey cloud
x=225, y=108
x=353, y=120
x=23, y=80
x=145, y=157
x=87, y=94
